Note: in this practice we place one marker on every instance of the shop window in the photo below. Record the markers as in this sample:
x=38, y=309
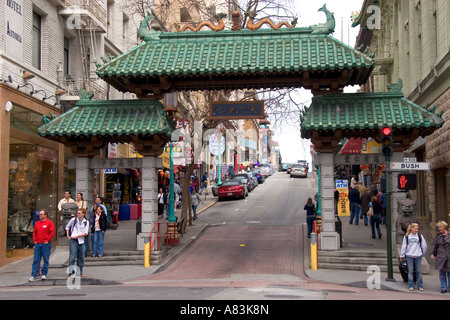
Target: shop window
x=32, y=186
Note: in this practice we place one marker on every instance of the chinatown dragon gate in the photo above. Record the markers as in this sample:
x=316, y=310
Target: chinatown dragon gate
x=211, y=57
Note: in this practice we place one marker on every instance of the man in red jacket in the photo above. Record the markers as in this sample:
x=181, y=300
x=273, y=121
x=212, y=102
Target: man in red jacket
x=43, y=233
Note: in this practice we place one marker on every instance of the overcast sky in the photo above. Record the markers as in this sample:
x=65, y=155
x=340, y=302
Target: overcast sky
x=292, y=147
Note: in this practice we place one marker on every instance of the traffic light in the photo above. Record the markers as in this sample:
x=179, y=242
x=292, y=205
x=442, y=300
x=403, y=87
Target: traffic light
x=407, y=181
x=386, y=141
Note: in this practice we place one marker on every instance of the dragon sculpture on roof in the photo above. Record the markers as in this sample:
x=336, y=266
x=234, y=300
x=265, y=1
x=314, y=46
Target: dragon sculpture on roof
x=250, y=25
x=220, y=26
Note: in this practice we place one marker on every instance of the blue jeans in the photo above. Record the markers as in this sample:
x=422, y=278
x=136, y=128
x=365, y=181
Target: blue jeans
x=444, y=277
x=77, y=251
x=204, y=187
x=194, y=209
x=414, y=265
x=98, y=243
x=354, y=212
x=40, y=251
x=310, y=221
x=375, y=221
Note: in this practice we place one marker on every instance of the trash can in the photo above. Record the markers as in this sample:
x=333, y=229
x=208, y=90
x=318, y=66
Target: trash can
x=138, y=226
x=338, y=227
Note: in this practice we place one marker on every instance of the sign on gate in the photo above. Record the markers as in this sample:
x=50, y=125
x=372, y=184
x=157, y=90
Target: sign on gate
x=343, y=205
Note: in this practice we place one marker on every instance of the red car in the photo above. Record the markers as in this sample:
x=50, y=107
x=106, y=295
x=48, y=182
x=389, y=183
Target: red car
x=231, y=189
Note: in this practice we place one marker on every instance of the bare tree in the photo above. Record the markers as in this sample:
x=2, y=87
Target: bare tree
x=195, y=107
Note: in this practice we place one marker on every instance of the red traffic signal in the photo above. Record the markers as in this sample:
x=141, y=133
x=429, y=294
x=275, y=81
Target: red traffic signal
x=386, y=131
x=387, y=143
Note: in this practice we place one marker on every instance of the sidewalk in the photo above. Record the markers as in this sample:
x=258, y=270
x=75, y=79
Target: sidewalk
x=18, y=272
x=354, y=238
x=359, y=238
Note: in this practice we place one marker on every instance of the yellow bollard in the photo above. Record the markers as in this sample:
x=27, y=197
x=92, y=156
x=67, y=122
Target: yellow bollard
x=313, y=251
x=147, y=253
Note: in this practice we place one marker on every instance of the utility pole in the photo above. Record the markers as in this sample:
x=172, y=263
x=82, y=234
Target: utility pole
x=387, y=150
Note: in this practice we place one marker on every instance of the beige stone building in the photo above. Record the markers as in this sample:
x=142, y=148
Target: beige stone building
x=48, y=51
x=411, y=41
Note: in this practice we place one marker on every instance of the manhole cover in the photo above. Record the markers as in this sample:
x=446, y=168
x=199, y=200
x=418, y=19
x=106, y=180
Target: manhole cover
x=66, y=295
x=282, y=296
x=339, y=291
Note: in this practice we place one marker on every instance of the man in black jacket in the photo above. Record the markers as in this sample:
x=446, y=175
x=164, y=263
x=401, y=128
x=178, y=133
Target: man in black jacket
x=355, y=204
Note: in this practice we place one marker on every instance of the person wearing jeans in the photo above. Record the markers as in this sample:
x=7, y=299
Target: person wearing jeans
x=413, y=248
x=77, y=231
x=43, y=233
x=441, y=255
x=98, y=229
x=355, y=203
x=195, y=198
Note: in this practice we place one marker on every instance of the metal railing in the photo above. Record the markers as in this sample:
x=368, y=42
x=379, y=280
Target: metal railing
x=170, y=236
x=72, y=87
x=92, y=6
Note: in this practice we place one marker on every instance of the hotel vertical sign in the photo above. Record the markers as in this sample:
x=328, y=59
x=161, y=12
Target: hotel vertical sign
x=14, y=28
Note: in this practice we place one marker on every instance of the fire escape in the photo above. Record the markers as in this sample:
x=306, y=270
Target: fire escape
x=88, y=18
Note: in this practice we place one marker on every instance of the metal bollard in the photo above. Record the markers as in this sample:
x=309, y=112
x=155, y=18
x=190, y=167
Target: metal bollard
x=313, y=251
x=147, y=253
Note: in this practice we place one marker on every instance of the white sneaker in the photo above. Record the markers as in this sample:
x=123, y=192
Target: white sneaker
x=43, y=277
x=32, y=279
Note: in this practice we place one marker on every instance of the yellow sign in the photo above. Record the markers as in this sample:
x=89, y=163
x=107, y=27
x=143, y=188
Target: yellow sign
x=165, y=159
x=343, y=202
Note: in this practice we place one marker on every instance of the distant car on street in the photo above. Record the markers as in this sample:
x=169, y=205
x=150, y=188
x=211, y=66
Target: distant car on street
x=299, y=170
x=232, y=189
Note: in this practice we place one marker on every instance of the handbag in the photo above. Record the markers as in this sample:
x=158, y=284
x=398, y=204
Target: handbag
x=370, y=212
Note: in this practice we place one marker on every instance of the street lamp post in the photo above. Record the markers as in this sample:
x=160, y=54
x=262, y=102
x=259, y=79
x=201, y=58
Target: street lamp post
x=171, y=193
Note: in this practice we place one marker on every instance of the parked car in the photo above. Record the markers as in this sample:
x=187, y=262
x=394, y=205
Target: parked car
x=250, y=180
x=265, y=170
x=232, y=189
x=258, y=175
x=299, y=170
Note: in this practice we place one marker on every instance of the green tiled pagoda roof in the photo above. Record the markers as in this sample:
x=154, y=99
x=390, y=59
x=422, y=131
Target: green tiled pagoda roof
x=365, y=111
x=236, y=53
x=109, y=118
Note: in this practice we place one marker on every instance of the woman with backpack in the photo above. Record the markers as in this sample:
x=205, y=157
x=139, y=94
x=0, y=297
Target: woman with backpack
x=414, y=247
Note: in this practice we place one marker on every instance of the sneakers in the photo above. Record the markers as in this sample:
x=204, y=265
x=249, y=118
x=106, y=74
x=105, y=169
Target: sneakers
x=32, y=279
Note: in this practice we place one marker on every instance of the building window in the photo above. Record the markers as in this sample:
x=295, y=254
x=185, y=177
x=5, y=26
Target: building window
x=37, y=41
x=66, y=56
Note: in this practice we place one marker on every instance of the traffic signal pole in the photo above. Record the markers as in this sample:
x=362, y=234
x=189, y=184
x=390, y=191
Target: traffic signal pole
x=390, y=270
x=387, y=148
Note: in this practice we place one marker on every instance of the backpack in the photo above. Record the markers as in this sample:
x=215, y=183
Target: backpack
x=74, y=223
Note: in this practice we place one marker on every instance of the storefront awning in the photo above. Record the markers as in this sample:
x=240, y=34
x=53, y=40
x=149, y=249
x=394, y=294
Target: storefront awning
x=351, y=146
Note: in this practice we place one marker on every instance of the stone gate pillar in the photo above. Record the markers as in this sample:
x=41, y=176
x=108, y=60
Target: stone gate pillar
x=328, y=237
x=149, y=198
x=84, y=180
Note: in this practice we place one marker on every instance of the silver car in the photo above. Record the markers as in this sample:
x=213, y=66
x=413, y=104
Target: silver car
x=299, y=170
